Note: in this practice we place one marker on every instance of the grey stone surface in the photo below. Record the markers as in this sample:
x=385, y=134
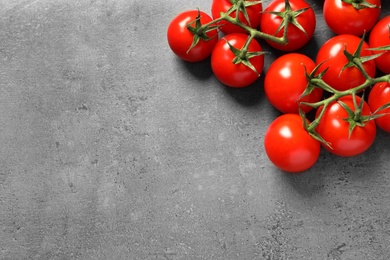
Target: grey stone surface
x=112, y=148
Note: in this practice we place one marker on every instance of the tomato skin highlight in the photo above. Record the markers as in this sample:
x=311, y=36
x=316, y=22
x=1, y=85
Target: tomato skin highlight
x=335, y=129
x=289, y=146
x=379, y=37
x=180, y=38
x=343, y=18
x=235, y=75
x=285, y=82
x=379, y=96
x=296, y=38
x=254, y=14
x=331, y=55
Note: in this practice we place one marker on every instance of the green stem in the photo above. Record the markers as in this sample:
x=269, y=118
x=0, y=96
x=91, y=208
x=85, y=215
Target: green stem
x=254, y=33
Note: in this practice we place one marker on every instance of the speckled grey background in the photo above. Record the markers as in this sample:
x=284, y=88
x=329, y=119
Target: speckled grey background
x=112, y=148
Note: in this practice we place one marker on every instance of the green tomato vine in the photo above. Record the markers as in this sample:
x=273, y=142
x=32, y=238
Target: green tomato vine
x=289, y=16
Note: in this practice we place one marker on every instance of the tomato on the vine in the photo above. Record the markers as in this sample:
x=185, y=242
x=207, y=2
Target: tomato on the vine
x=301, y=25
x=285, y=82
x=249, y=13
x=233, y=67
x=331, y=56
x=335, y=127
x=180, y=38
x=289, y=146
x=351, y=16
x=378, y=97
x=380, y=37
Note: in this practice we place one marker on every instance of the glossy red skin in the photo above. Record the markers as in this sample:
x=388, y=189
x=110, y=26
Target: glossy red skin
x=180, y=38
x=343, y=18
x=285, y=82
x=335, y=130
x=296, y=38
x=379, y=96
x=289, y=146
x=235, y=75
x=332, y=54
x=379, y=37
x=254, y=14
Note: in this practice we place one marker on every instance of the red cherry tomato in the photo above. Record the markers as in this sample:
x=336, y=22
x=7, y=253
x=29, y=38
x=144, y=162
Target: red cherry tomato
x=344, y=18
x=270, y=24
x=380, y=37
x=253, y=13
x=180, y=38
x=285, y=82
x=289, y=146
x=379, y=96
x=331, y=54
x=232, y=74
x=335, y=129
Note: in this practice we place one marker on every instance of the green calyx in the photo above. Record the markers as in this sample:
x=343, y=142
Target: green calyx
x=356, y=60
x=355, y=117
x=382, y=48
x=243, y=55
x=360, y=4
x=239, y=6
x=199, y=31
x=289, y=16
x=310, y=127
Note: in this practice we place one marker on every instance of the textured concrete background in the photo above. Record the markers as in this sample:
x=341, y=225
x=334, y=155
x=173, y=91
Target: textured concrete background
x=112, y=148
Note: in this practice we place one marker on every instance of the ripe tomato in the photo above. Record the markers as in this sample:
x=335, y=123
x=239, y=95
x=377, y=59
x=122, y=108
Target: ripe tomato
x=285, y=82
x=380, y=37
x=180, y=38
x=231, y=73
x=289, y=146
x=379, y=96
x=334, y=128
x=331, y=54
x=344, y=18
x=253, y=13
x=270, y=23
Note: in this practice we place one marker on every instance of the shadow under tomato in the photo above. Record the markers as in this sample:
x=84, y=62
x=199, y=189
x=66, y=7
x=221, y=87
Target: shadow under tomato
x=200, y=70
x=248, y=96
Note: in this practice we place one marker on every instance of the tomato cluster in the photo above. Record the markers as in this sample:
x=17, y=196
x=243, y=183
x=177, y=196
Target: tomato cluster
x=323, y=102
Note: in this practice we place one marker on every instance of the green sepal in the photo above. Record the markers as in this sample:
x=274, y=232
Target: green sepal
x=199, y=34
x=292, y=18
x=376, y=114
x=309, y=87
x=360, y=4
x=242, y=56
x=241, y=8
x=382, y=48
x=355, y=118
x=312, y=132
x=351, y=117
x=314, y=76
x=355, y=59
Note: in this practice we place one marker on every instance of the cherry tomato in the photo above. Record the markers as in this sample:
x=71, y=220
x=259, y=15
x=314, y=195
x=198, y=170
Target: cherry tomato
x=270, y=23
x=331, y=54
x=236, y=74
x=344, y=18
x=380, y=37
x=334, y=128
x=289, y=146
x=285, y=82
x=379, y=96
x=180, y=38
x=253, y=13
